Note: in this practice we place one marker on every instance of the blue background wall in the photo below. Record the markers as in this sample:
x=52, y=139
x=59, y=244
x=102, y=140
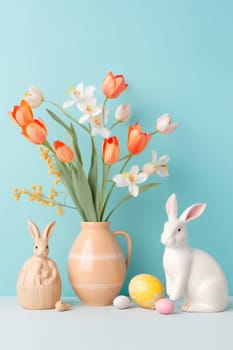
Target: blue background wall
x=177, y=57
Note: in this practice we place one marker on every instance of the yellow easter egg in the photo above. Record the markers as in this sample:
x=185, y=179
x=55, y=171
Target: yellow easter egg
x=145, y=290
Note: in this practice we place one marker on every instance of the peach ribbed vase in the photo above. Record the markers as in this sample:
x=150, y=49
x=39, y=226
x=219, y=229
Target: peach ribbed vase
x=96, y=264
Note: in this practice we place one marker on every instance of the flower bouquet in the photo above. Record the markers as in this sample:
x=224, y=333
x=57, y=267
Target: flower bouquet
x=90, y=193
x=96, y=265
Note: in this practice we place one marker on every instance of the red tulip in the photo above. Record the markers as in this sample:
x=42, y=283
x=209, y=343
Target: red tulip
x=110, y=150
x=137, y=140
x=63, y=152
x=22, y=115
x=35, y=131
x=113, y=85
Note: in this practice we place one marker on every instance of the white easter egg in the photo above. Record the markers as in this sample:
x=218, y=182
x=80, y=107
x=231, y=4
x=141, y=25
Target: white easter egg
x=121, y=302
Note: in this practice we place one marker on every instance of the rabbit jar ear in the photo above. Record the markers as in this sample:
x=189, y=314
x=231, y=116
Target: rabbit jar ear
x=48, y=231
x=193, y=212
x=172, y=207
x=33, y=229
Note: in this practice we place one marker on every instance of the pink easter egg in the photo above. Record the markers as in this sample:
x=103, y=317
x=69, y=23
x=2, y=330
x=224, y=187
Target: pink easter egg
x=164, y=306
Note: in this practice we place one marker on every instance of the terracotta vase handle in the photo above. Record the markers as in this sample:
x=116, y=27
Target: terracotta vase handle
x=128, y=239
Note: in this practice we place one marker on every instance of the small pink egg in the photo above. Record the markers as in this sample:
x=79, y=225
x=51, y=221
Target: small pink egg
x=164, y=306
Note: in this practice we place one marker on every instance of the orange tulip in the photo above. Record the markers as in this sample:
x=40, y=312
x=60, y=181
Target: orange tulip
x=137, y=140
x=110, y=150
x=63, y=152
x=113, y=85
x=22, y=115
x=35, y=131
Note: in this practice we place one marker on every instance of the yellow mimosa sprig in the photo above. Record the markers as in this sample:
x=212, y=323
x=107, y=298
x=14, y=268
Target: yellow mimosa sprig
x=35, y=194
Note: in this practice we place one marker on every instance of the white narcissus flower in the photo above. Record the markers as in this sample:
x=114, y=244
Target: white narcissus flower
x=34, y=96
x=131, y=179
x=80, y=95
x=97, y=124
x=123, y=113
x=164, y=124
x=94, y=115
x=157, y=166
x=89, y=110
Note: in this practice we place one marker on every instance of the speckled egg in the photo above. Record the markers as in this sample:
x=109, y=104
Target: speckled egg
x=164, y=306
x=145, y=290
x=121, y=302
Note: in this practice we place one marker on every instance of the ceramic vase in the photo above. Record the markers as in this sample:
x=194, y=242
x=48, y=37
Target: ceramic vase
x=96, y=265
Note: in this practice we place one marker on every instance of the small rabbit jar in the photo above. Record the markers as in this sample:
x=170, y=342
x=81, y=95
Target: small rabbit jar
x=190, y=273
x=39, y=282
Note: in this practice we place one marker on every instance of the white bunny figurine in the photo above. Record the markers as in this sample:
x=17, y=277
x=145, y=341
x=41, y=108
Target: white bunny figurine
x=190, y=273
x=39, y=282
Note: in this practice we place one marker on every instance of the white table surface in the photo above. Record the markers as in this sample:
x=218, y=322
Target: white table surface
x=96, y=328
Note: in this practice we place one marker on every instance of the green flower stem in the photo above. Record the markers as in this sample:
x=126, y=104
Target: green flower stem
x=103, y=164
x=142, y=189
x=129, y=156
x=112, y=211
x=126, y=162
x=123, y=158
x=105, y=181
x=102, y=186
x=103, y=175
x=64, y=200
x=68, y=115
x=113, y=125
x=47, y=145
x=154, y=132
x=104, y=103
x=65, y=205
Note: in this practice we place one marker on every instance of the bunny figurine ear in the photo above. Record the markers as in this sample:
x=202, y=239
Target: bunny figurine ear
x=193, y=212
x=48, y=231
x=172, y=207
x=33, y=229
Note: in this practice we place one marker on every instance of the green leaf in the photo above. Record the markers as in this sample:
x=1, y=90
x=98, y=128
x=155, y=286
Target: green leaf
x=74, y=178
x=57, y=119
x=129, y=196
x=83, y=192
x=71, y=135
x=74, y=143
x=93, y=177
x=67, y=181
